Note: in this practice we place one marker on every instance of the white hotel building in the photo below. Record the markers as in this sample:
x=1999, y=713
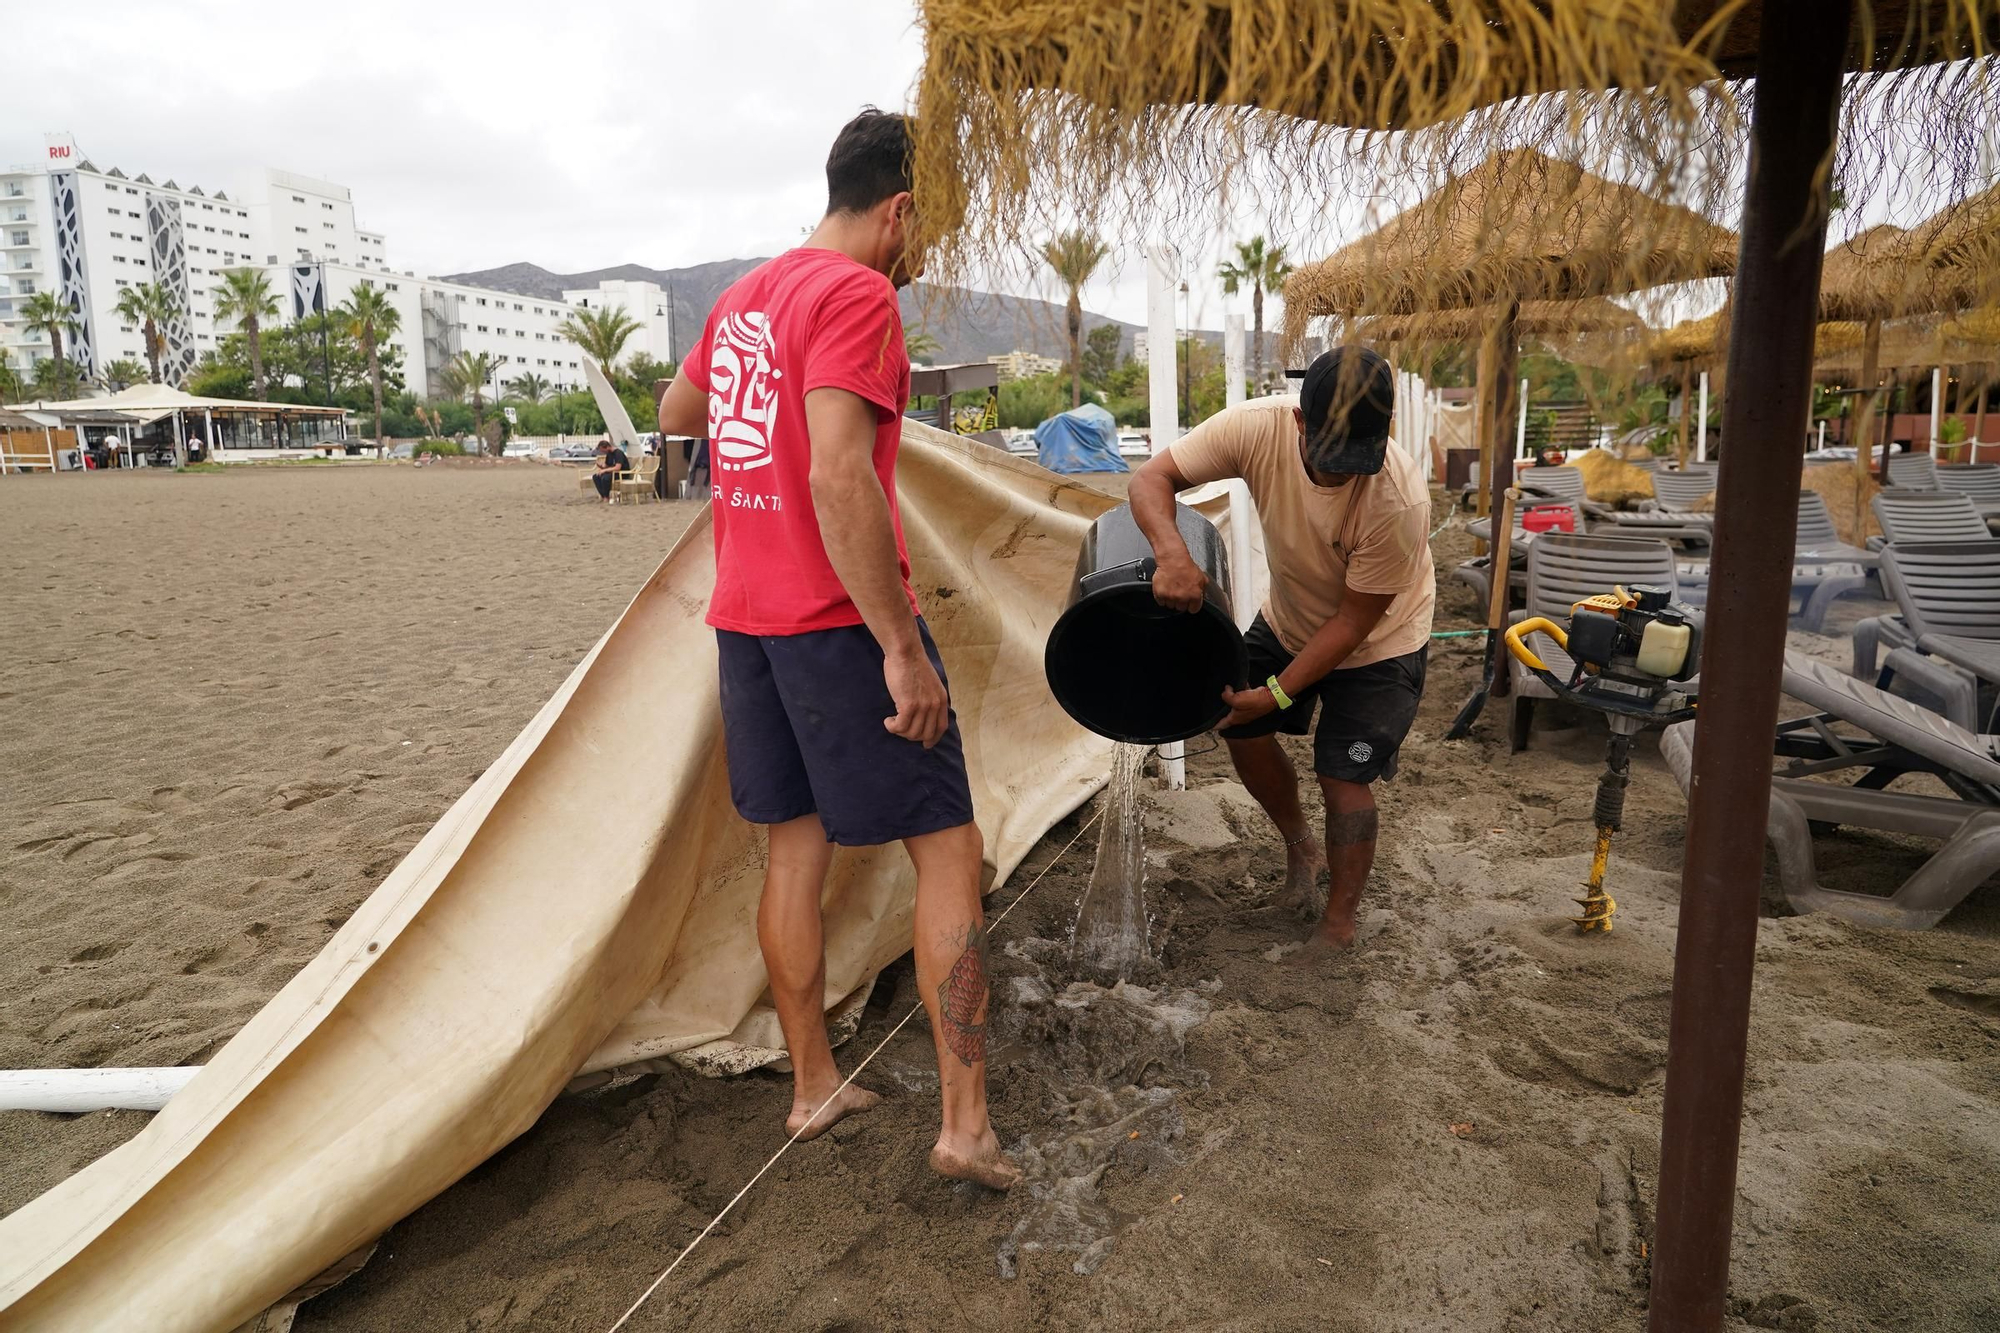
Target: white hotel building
x=84, y=232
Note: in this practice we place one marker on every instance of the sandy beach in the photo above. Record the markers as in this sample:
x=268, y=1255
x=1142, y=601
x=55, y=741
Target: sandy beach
x=232, y=702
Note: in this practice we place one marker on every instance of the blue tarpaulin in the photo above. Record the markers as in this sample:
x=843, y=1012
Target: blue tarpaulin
x=1083, y=439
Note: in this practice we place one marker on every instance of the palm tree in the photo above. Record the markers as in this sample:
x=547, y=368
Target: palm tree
x=149, y=305
x=918, y=343
x=600, y=333
x=1261, y=268
x=371, y=319
x=123, y=374
x=10, y=382
x=465, y=376
x=1075, y=255
x=49, y=314
x=529, y=387
x=245, y=296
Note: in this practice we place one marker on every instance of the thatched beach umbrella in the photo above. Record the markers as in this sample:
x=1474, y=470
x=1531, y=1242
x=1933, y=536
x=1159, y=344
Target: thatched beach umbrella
x=1554, y=321
x=1978, y=331
x=1683, y=347
x=1562, y=326
x=1881, y=274
x=1520, y=226
x=1029, y=108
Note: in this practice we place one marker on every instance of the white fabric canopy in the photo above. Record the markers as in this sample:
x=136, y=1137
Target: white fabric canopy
x=150, y=402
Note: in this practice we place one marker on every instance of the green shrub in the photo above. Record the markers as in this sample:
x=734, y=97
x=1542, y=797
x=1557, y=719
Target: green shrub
x=443, y=448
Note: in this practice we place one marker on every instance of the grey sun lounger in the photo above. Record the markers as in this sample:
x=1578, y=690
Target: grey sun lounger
x=1824, y=568
x=1925, y=516
x=1563, y=569
x=1949, y=595
x=1913, y=472
x=1910, y=516
x=1879, y=737
x=1981, y=481
x=1545, y=485
x=1672, y=515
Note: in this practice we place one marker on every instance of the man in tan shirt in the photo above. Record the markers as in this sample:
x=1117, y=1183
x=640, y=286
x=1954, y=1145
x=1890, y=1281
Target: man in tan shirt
x=1346, y=521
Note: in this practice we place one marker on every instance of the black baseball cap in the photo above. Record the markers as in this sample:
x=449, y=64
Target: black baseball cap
x=1348, y=396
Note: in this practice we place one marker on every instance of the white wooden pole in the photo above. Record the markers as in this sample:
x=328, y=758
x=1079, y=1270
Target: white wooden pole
x=1162, y=370
x=1242, y=509
x=1163, y=414
x=1822, y=434
x=1937, y=406
x=76, y=1090
x=1232, y=359
x=1701, y=424
x=1521, y=427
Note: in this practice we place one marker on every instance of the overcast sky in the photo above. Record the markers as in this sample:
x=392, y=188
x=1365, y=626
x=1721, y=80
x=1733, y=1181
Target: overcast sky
x=573, y=135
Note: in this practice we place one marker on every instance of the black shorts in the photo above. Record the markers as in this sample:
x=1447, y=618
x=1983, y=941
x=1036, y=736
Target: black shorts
x=802, y=726
x=1368, y=709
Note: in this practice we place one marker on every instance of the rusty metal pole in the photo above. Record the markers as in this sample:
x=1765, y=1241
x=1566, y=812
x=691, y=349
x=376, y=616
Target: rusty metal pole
x=1770, y=354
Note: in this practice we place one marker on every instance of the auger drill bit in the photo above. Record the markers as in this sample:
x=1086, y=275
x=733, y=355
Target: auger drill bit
x=1598, y=905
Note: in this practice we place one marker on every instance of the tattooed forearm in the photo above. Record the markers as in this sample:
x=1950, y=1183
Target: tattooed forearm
x=962, y=999
x=1350, y=827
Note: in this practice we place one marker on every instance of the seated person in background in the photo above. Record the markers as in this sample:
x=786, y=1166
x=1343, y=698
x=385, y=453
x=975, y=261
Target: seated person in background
x=611, y=464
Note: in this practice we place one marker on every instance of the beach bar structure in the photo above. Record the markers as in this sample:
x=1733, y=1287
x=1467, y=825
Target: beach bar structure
x=1152, y=94
x=232, y=430
x=55, y=440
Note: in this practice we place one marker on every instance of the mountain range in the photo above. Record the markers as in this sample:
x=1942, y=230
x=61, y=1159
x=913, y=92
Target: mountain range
x=967, y=325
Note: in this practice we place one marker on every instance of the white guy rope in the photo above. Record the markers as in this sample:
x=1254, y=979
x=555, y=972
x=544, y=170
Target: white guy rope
x=717, y=1219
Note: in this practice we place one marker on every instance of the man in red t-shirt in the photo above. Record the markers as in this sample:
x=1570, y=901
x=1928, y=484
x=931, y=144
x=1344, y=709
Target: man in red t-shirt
x=835, y=713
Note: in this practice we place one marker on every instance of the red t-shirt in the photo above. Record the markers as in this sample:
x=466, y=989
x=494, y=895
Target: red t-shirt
x=809, y=319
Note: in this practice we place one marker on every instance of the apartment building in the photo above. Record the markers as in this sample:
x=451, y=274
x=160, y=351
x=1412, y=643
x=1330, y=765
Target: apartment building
x=87, y=232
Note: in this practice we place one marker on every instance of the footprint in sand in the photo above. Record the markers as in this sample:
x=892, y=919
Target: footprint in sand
x=1985, y=1004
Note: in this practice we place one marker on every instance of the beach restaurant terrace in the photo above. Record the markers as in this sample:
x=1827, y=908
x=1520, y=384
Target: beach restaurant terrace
x=229, y=430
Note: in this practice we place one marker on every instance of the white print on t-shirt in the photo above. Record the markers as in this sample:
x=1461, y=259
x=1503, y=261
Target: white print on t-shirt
x=738, y=498
x=742, y=391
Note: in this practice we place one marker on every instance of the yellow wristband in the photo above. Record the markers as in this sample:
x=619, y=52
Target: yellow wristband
x=1278, y=692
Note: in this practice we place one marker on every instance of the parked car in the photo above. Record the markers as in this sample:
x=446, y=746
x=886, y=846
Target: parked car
x=572, y=453
x=405, y=450
x=518, y=449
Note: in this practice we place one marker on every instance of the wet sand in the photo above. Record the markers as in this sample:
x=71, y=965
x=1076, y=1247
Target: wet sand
x=233, y=702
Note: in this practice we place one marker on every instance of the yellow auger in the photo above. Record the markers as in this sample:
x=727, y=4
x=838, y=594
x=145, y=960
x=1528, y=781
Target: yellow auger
x=1630, y=650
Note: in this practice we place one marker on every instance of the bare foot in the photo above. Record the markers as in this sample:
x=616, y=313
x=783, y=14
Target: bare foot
x=1320, y=947
x=1303, y=896
x=981, y=1163
x=850, y=1100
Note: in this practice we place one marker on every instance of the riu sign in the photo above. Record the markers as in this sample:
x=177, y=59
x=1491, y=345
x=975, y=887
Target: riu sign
x=62, y=149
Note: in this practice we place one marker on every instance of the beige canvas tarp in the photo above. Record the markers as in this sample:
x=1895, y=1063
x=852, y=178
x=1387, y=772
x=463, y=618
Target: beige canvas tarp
x=589, y=902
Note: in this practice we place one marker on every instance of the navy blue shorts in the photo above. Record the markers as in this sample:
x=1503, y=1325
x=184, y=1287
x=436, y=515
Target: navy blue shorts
x=1365, y=713
x=802, y=722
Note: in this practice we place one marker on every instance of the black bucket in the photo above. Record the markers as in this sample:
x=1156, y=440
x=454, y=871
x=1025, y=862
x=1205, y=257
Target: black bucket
x=1128, y=668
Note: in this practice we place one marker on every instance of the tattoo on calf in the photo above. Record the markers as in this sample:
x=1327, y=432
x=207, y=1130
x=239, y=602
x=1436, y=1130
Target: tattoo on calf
x=1350, y=827
x=962, y=998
